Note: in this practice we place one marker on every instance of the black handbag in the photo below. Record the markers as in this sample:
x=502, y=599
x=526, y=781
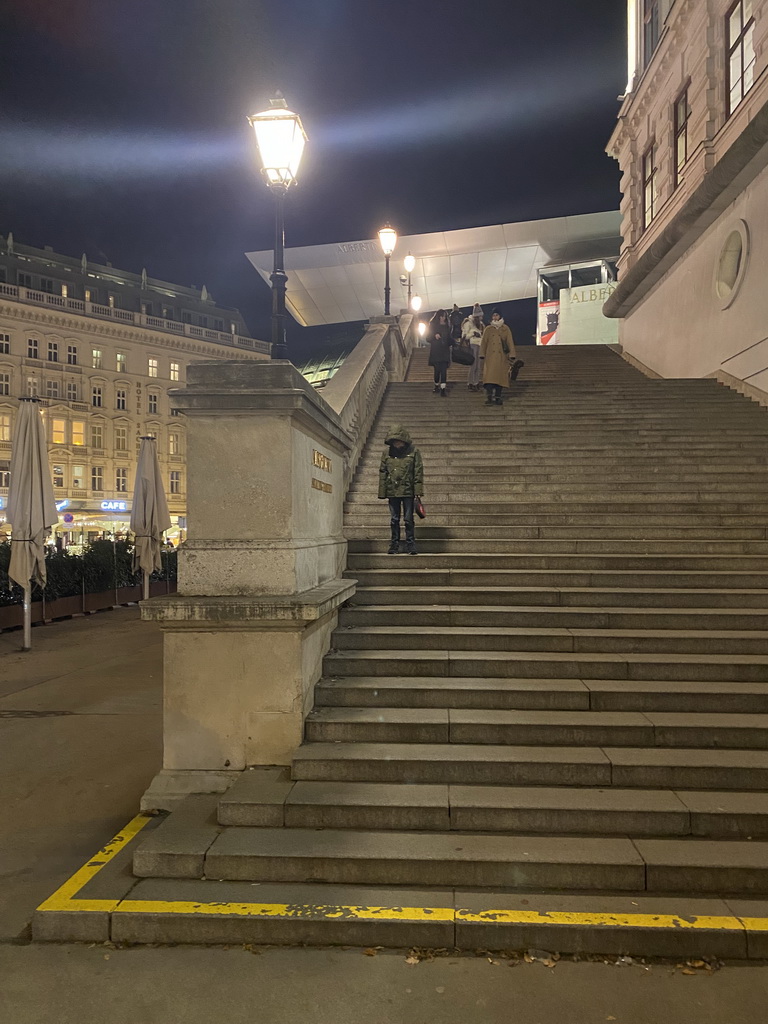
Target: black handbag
x=463, y=355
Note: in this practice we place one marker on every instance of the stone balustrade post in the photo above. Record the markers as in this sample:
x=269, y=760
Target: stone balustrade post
x=259, y=576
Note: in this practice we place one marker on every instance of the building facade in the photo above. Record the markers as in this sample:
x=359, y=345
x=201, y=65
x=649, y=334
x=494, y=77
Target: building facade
x=692, y=144
x=102, y=348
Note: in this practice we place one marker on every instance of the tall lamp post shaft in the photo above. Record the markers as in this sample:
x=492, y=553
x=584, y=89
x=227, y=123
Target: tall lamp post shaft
x=386, y=286
x=279, y=279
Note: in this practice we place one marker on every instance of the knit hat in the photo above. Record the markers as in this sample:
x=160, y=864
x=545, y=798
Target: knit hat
x=477, y=309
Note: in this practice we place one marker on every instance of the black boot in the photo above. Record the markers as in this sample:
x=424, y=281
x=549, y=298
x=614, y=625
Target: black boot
x=394, y=544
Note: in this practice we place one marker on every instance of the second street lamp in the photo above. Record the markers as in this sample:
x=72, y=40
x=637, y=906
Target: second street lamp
x=409, y=263
x=388, y=241
x=280, y=137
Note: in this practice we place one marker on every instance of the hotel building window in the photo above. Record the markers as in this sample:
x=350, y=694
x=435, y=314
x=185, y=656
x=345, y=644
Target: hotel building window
x=740, y=31
x=32, y=387
x=72, y=355
x=174, y=444
x=650, y=29
x=32, y=348
x=53, y=351
x=5, y=426
x=152, y=403
x=5, y=344
x=5, y=383
x=97, y=478
x=78, y=475
x=681, y=117
x=121, y=362
x=96, y=358
x=121, y=439
x=175, y=482
x=52, y=389
x=78, y=431
x=175, y=371
x=152, y=367
x=96, y=397
x=121, y=398
x=121, y=479
x=59, y=431
x=58, y=476
x=5, y=473
x=97, y=435
x=72, y=392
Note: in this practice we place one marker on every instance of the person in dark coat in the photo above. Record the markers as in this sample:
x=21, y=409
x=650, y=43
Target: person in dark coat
x=456, y=319
x=401, y=481
x=440, y=349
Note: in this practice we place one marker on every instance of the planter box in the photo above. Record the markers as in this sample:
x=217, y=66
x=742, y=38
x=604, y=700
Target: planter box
x=12, y=616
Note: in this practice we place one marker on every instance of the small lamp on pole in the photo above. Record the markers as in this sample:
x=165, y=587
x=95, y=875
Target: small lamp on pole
x=416, y=302
x=387, y=241
x=280, y=137
x=409, y=263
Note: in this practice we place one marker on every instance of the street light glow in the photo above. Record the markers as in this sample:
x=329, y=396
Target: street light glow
x=416, y=302
x=409, y=263
x=387, y=239
x=280, y=137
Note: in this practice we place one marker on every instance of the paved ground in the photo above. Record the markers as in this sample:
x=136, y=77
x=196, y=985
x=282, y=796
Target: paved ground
x=79, y=741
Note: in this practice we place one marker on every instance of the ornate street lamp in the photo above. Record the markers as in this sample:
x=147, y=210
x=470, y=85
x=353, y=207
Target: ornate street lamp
x=280, y=137
x=416, y=302
x=387, y=241
x=409, y=263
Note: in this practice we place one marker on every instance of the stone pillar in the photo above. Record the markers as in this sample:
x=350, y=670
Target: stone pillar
x=259, y=576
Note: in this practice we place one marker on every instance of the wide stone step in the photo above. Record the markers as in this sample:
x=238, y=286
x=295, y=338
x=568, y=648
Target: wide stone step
x=548, y=664
x=446, y=526
x=543, y=616
x=617, y=506
x=252, y=802
x=626, y=524
x=382, y=569
x=584, y=562
x=497, y=765
x=634, y=601
x=460, y=639
x=557, y=694
x=545, y=728
x=498, y=541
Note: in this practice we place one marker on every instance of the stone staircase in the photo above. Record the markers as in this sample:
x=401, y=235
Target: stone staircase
x=564, y=694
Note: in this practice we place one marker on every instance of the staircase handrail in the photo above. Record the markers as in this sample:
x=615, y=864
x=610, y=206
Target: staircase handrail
x=357, y=388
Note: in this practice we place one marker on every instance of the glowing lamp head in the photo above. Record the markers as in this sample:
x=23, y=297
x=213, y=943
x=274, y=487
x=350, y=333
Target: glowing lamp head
x=422, y=328
x=280, y=137
x=387, y=239
x=416, y=301
x=409, y=263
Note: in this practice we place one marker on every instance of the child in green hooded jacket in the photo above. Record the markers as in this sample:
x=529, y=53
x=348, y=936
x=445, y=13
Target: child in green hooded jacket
x=401, y=481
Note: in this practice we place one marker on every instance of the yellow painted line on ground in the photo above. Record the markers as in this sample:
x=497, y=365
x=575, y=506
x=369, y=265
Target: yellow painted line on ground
x=600, y=920
x=288, y=911
x=65, y=899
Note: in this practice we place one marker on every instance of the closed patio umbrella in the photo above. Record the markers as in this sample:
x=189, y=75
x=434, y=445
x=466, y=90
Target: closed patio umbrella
x=149, y=515
x=31, y=508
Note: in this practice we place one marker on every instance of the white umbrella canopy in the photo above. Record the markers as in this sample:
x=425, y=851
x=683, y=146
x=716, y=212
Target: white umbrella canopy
x=31, y=508
x=149, y=515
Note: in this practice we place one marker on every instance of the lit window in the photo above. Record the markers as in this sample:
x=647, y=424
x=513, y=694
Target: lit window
x=121, y=397
x=52, y=389
x=650, y=185
x=5, y=427
x=682, y=114
x=152, y=402
x=5, y=344
x=5, y=473
x=78, y=431
x=5, y=383
x=175, y=371
x=78, y=475
x=650, y=29
x=65, y=290
x=58, y=476
x=152, y=367
x=32, y=386
x=97, y=358
x=175, y=482
x=59, y=431
x=32, y=348
x=121, y=439
x=111, y=301
x=87, y=294
x=121, y=362
x=740, y=31
x=174, y=444
x=97, y=478
x=121, y=479
x=96, y=397
x=72, y=391
x=53, y=351
x=72, y=355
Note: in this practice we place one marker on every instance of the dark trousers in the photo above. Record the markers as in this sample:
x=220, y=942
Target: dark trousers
x=441, y=372
x=493, y=390
x=396, y=506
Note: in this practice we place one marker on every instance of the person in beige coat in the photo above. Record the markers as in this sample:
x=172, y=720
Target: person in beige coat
x=497, y=350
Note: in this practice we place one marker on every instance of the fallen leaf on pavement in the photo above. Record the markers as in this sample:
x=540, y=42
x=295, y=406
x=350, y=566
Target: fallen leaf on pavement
x=411, y=959
x=370, y=951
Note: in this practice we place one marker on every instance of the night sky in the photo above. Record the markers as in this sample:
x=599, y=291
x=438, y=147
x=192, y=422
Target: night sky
x=123, y=131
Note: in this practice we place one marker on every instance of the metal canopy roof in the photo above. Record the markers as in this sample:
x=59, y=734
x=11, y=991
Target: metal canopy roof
x=344, y=281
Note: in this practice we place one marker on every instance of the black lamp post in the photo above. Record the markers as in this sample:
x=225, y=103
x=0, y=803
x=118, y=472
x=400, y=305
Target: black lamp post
x=388, y=241
x=280, y=137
